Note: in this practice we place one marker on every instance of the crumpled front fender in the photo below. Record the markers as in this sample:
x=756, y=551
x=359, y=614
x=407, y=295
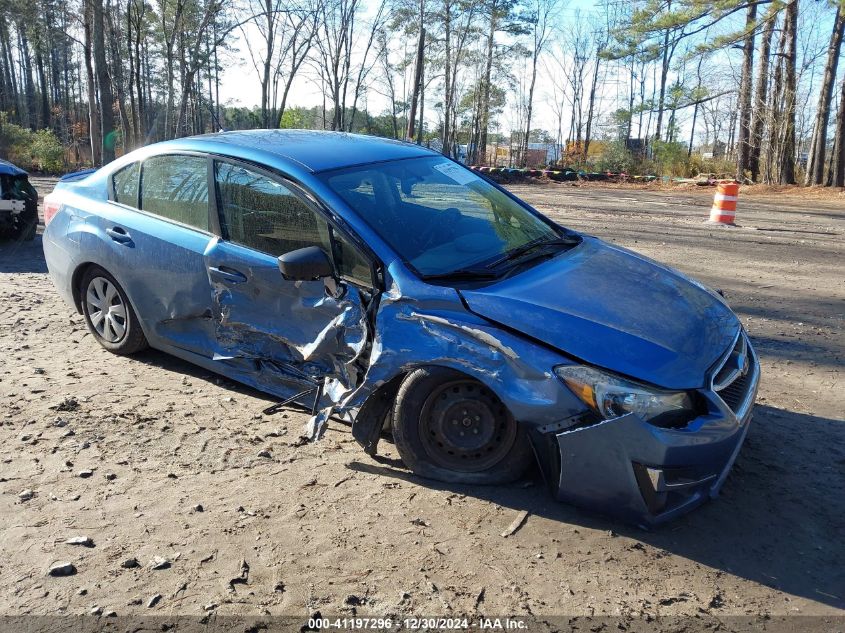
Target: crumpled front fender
x=413, y=333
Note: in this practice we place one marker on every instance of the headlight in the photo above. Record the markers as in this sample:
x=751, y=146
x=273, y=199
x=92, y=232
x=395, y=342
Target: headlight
x=612, y=396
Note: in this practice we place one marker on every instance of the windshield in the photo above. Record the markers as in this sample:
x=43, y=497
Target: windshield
x=438, y=216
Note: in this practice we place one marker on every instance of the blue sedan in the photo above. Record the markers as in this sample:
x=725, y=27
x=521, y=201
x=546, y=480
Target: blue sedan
x=381, y=282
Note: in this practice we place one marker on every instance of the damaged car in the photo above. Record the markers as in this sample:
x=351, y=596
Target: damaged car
x=382, y=283
x=18, y=203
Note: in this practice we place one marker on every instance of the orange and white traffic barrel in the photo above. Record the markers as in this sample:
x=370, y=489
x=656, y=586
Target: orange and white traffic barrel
x=723, y=210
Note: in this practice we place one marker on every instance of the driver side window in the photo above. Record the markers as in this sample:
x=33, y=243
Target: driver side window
x=262, y=213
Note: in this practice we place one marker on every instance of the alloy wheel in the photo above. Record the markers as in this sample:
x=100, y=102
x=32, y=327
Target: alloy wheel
x=106, y=309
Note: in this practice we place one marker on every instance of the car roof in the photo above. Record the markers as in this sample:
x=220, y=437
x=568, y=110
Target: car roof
x=315, y=150
x=8, y=169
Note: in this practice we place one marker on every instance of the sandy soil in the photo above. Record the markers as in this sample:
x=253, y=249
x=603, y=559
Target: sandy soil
x=253, y=521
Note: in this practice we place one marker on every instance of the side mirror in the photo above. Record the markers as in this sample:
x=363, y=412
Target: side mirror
x=305, y=264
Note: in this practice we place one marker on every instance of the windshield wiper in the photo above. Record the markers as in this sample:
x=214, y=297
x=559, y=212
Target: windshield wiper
x=526, y=248
x=462, y=274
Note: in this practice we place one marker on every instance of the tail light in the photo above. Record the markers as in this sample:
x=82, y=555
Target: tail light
x=52, y=205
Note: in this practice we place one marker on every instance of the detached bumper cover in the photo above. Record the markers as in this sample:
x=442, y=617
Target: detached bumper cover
x=647, y=475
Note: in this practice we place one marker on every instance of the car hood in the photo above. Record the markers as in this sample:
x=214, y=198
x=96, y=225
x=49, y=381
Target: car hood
x=609, y=307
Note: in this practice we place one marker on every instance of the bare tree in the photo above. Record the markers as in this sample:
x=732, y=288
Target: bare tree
x=759, y=114
x=744, y=141
x=838, y=162
x=94, y=130
x=541, y=27
x=287, y=31
x=790, y=33
x=340, y=71
x=815, y=167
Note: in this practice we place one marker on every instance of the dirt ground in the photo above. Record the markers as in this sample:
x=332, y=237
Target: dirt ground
x=249, y=520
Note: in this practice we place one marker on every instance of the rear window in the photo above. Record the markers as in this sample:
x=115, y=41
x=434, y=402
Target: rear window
x=176, y=187
x=125, y=183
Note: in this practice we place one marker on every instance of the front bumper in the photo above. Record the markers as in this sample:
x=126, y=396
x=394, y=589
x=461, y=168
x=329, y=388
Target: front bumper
x=647, y=475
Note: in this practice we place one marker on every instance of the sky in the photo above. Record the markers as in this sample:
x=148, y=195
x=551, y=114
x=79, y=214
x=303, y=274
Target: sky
x=240, y=84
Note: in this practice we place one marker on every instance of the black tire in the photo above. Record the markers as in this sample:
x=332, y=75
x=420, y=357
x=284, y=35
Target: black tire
x=449, y=427
x=29, y=222
x=132, y=338
x=25, y=226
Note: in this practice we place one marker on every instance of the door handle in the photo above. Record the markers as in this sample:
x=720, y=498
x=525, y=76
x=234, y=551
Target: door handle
x=119, y=235
x=224, y=273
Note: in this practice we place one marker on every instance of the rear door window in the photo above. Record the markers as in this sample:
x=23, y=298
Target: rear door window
x=125, y=185
x=176, y=187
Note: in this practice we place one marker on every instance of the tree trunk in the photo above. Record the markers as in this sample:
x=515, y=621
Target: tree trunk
x=529, y=109
x=664, y=73
x=415, y=90
x=787, y=172
x=591, y=106
x=541, y=25
x=421, y=123
x=270, y=40
x=838, y=166
x=760, y=98
x=744, y=141
x=815, y=167
x=104, y=84
x=484, y=118
x=44, y=118
x=93, y=114
x=5, y=92
x=775, y=114
x=29, y=84
x=447, y=84
x=130, y=58
x=117, y=65
x=10, y=66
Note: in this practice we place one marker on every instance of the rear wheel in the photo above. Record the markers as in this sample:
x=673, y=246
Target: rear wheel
x=452, y=428
x=108, y=313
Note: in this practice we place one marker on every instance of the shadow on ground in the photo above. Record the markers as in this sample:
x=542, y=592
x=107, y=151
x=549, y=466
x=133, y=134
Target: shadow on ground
x=774, y=523
x=17, y=256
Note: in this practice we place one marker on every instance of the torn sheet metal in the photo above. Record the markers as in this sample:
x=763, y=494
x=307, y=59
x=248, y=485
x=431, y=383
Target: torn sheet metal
x=435, y=330
x=286, y=335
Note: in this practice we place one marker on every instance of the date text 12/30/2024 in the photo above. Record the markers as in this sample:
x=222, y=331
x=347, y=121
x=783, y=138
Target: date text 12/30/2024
x=412, y=623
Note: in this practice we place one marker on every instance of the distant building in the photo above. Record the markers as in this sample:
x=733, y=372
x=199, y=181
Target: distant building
x=539, y=155
x=711, y=151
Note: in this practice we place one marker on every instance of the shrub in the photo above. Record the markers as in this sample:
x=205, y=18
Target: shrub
x=39, y=150
x=670, y=158
x=46, y=151
x=615, y=157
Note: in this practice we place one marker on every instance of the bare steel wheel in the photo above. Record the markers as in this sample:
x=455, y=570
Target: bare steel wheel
x=106, y=310
x=108, y=313
x=449, y=427
x=464, y=427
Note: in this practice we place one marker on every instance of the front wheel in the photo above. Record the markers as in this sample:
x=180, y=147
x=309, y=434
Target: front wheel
x=108, y=313
x=449, y=427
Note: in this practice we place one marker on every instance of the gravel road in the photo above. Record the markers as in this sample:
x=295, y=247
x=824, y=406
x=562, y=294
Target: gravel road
x=194, y=502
